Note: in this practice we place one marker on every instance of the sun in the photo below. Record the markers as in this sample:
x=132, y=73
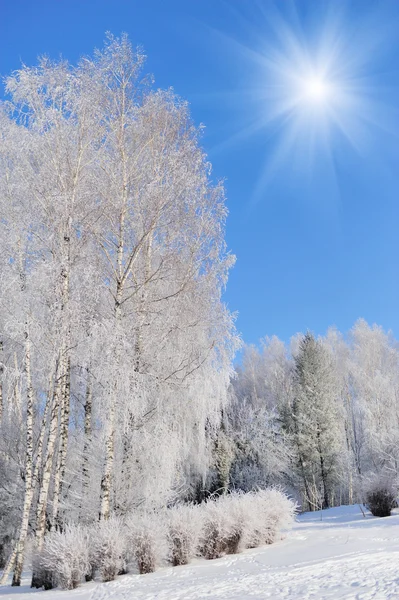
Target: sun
x=316, y=90
x=310, y=87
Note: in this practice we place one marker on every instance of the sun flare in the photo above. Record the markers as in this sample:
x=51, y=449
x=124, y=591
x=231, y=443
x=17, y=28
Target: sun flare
x=316, y=90
x=307, y=91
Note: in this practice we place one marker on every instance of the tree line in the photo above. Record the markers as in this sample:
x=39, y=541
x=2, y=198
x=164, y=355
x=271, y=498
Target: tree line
x=318, y=415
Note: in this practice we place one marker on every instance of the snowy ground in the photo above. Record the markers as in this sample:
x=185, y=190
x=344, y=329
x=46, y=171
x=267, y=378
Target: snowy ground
x=344, y=555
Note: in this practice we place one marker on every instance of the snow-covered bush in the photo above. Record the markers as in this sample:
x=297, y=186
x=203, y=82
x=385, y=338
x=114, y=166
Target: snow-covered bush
x=219, y=530
x=147, y=540
x=224, y=525
x=238, y=521
x=274, y=511
x=108, y=548
x=238, y=510
x=93, y=551
x=183, y=530
x=65, y=557
x=42, y=577
x=380, y=496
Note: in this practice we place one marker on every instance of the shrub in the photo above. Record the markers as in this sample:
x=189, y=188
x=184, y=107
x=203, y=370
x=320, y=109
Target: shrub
x=147, y=540
x=275, y=511
x=64, y=559
x=108, y=548
x=219, y=526
x=238, y=521
x=234, y=505
x=260, y=516
x=219, y=532
x=183, y=524
x=93, y=551
x=380, y=495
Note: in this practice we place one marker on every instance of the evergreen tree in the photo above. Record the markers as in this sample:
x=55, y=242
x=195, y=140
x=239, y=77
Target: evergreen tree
x=313, y=422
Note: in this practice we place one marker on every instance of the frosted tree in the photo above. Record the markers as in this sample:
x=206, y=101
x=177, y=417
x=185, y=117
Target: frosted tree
x=374, y=362
x=164, y=263
x=113, y=333
x=313, y=422
x=54, y=181
x=350, y=416
x=262, y=387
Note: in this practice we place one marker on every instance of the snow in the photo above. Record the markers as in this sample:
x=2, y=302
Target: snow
x=334, y=554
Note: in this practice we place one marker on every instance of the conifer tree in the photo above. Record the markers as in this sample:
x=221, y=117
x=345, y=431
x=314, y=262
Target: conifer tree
x=314, y=422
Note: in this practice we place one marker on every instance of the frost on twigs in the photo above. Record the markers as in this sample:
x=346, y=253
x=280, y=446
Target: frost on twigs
x=221, y=531
x=381, y=496
x=108, y=550
x=225, y=525
x=238, y=521
x=64, y=559
x=271, y=512
x=146, y=540
x=183, y=531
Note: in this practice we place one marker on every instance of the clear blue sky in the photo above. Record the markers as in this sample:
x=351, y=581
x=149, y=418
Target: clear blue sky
x=312, y=183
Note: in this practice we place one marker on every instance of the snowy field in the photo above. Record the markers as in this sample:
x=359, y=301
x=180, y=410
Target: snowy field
x=342, y=555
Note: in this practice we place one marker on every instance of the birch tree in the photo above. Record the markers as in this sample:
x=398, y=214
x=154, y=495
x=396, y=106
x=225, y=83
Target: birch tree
x=117, y=229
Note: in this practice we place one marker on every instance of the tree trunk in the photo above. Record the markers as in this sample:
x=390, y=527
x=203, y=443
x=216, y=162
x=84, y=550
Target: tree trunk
x=350, y=484
x=37, y=579
x=9, y=565
x=323, y=472
x=64, y=385
x=63, y=445
x=106, y=481
x=305, y=483
x=29, y=483
x=87, y=444
x=16, y=406
x=17, y=556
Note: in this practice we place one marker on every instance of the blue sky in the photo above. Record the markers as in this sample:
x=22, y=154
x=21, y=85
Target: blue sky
x=312, y=184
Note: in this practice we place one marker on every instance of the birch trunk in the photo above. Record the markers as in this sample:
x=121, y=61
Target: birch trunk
x=64, y=392
x=35, y=475
x=43, y=428
x=87, y=443
x=29, y=483
x=17, y=556
x=16, y=406
x=63, y=445
x=106, y=481
x=37, y=579
x=9, y=566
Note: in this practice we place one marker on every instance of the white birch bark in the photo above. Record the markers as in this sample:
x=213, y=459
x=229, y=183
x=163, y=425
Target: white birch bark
x=17, y=555
x=29, y=483
x=106, y=481
x=37, y=580
x=64, y=391
x=63, y=445
x=87, y=442
x=17, y=401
